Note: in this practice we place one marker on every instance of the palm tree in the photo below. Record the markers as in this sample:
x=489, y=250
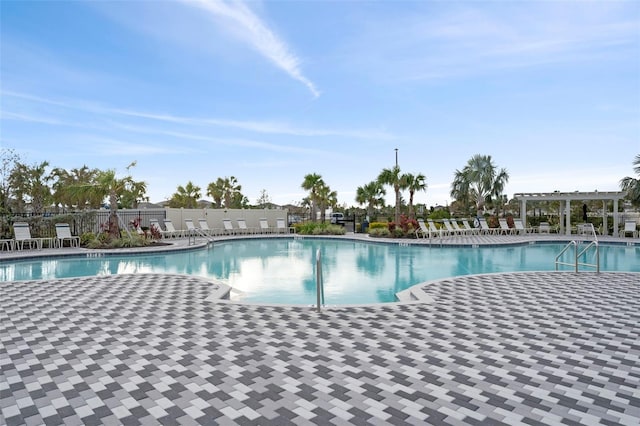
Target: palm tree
x=481, y=181
x=393, y=178
x=185, y=196
x=107, y=185
x=325, y=198
x=63, y=188
x=31, y=182
x=372, y=195
x=413, y=184
x=632, y=185
x=312, y=183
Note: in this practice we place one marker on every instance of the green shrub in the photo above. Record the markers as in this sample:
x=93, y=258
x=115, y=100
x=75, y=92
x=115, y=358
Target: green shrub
x=379, y=232
x=379, y=225
x=320, y=228
x=87, y=238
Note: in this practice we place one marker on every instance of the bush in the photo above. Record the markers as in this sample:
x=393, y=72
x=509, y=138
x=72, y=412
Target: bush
x=319, y=228
x=379, y=225
x=379, y=232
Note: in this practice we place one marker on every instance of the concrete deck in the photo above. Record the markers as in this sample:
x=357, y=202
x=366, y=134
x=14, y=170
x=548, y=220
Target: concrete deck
x=522, y=348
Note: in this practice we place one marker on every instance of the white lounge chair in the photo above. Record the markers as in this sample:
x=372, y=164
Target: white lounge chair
x=484, y=226
x=191, y=228
x=470, y=230
x=504, y=227
x=434, y=229
x=629, y=228
x=519, y=227
x=544, y=228
x=204, y=227
x=450, y=228
x=228, y=227
x=423, y=230
x=22, y=235
x=63, y=233
x=243, y=228
x=281, y=226
x=264, y=226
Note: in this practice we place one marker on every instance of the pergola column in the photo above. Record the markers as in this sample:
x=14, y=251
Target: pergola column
x=615, y=217
x=605, y=228
x=567, y=213
x=523, y=212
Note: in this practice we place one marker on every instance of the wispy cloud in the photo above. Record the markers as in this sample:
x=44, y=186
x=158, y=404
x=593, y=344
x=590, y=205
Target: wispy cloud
x=258, y=35
x=266, y=127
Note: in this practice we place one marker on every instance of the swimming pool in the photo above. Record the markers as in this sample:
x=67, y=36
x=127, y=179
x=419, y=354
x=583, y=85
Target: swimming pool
x=281, y=270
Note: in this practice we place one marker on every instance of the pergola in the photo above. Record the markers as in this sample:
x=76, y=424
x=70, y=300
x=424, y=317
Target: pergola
x=567, y=197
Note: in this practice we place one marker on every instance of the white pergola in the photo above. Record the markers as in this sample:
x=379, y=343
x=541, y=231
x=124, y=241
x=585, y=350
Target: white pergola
x=567, y=197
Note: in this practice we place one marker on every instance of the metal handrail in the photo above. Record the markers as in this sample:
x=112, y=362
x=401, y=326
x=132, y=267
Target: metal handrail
x=591, y=265
x=319, y=283
x=575, y=251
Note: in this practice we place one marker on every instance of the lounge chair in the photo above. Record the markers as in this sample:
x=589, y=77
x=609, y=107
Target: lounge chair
x=434, y=229
x=63, y=233
x=243, y=228
x=281, y=226
x=449, y=227
x=204, y=227
x=264, y=226
x=191, y=228
x=544, y=228
x=460, y=230
x=154, y=223
x=629, y=228
x=470, y=229
x=228, y=227
x=484, y=226
x=22, y=234
x=519, y=227
x=504, y=227
x=423, y=230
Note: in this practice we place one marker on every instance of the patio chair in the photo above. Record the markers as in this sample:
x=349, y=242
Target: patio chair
x=504, y=227
x=264, y=226
x=449, y=227
x=22, y=234
x=484, y=226
x=544, y=228
x=629, y=228
x=63, y=233
x=470, y=229
x=191, y=228
x=435, y=230
x=204, y=227
x=519, y=227
x=228, y=227
x=423, y=230
x=281, y=226
x=243, y=228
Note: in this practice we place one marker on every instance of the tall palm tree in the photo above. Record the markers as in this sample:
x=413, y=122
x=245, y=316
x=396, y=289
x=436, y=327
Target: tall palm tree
x=632, y=185
x=31, y=183
x=65, y=182
x=414, y=183
x=460, y=190
x=393, y=178
x=186, y=196
x=326, y=198
x=371, y=194
x=482, y=180
x=107, y=185
x=312, y=183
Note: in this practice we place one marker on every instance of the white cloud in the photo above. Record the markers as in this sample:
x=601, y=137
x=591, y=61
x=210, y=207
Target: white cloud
x=252, y=30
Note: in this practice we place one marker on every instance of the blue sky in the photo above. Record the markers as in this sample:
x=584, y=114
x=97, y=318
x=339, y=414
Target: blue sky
x=269, y=91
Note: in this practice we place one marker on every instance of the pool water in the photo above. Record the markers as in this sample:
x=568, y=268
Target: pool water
x=283, y=270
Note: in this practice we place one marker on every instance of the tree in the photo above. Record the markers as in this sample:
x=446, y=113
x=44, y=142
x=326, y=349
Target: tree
x=393, y=178
x=185, y=196
x=413, y=184
x=632, y=185
x=480, y=180
x=65, y=182
x=8, y=160
x=264, y=201
x=312, y=183
x=226, y=193
x=326, y=198
x=371, y=194
x=31, y=183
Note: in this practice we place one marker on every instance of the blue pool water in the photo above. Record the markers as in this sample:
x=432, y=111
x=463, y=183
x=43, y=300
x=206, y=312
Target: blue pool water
x=282, y=270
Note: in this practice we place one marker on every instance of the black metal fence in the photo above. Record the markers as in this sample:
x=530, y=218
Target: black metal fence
x=43, y=225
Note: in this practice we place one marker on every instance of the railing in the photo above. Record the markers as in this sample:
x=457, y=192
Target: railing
x=586, y=229
x=319, y=283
